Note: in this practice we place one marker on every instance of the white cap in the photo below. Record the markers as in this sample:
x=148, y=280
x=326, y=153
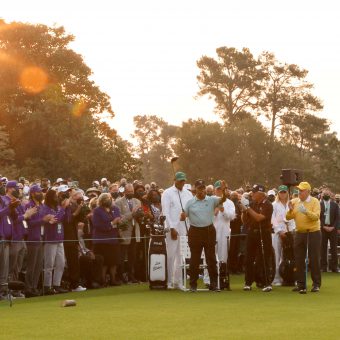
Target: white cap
x=103, y=179
x=96, y=182
x=271, y=192
x=63, y=188
x=59, y=180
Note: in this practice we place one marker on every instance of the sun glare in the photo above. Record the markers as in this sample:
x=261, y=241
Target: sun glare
x=33, y=79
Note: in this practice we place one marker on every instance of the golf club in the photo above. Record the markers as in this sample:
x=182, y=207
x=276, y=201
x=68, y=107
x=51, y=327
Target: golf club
x=14, y=286
x=263, y=257
x=307, y=260
x=226, y=265
x=173, y=160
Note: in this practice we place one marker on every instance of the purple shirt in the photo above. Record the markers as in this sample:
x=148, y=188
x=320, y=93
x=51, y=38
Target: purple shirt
x=34, y=223
x=5, y=219
x=102, y=227
x=54, y=232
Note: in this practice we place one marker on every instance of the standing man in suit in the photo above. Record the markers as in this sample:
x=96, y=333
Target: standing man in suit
x=329, y=217
x=130, y=234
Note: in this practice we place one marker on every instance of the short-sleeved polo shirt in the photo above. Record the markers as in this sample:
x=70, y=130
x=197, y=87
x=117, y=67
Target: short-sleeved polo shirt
x=201, y=212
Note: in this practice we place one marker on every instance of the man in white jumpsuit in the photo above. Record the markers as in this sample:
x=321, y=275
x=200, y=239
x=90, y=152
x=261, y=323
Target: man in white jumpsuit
x=280, y=227
x=222, y=218
x=174, y=200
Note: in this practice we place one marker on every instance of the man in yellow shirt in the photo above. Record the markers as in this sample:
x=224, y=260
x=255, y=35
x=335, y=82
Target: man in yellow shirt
x=305, y=210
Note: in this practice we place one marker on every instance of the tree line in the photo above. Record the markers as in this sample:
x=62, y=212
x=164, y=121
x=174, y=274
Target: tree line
x=51, y=119
x=269, y=121
x=50, y=111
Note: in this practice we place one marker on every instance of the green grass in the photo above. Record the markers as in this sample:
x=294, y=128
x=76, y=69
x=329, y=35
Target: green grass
x=135, y=312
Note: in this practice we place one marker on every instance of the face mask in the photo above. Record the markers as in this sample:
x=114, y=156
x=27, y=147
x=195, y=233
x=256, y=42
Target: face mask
x=38, y=196
x=156, y=199
x=16, y=193
x=129, y=196
x=326, y=197
x=107, y=204
x=115, y=195
x=141, y=194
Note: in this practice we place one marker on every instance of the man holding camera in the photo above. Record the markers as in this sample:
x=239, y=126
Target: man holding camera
x=257, y=217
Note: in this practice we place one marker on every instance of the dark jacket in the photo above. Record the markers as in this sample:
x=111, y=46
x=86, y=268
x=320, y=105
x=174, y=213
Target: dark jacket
x=264, y=208
x=334, y=214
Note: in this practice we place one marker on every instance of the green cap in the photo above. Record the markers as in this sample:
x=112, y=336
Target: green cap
x=217, y=184
x=282, y=188
x=180, y=176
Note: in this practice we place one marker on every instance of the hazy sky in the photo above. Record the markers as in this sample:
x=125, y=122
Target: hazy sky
x=143, y=53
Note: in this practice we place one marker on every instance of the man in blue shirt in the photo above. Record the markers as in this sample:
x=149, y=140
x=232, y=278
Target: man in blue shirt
x=202, y=233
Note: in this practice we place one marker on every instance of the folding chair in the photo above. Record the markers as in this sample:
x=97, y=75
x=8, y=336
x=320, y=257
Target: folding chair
x=186, y=255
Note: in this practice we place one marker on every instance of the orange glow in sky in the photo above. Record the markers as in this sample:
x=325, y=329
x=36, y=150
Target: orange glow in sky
x=143, y=53
x=33, y=79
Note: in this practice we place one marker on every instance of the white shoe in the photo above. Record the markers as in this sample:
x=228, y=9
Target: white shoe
x=267, y=289
x=18, y=295
x=170, y=286
x=246, y=288
x=277, y=284
x=178, y=286
x=79, y=289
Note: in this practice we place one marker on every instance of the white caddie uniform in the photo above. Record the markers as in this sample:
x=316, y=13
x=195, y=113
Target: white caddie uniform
x=280, y=224
x=172, y=209
x=222, y=225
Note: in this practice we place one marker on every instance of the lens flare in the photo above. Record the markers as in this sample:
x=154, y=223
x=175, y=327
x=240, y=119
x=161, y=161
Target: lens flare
x=79, y=108
x=33, y=79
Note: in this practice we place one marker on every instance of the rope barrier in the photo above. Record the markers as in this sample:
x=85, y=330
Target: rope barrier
x=102, y=239
x=94, y=239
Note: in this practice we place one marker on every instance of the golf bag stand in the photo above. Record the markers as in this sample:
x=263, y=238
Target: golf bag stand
x=224, y=277
x=158, y=270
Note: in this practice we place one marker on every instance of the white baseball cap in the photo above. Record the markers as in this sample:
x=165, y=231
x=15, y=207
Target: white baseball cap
x=271, y=192
x=63, y=188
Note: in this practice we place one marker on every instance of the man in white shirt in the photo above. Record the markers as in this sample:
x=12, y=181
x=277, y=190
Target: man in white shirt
x=280, y=226
x=174, y=200
x=223, y=215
